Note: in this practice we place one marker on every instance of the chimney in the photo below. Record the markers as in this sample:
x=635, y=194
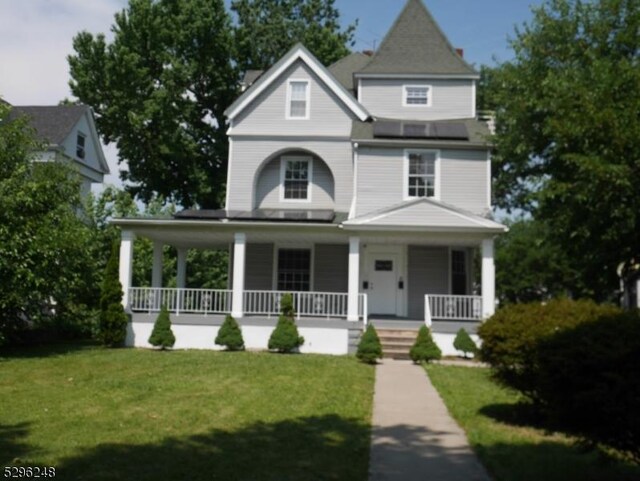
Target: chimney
x=368, y=53
x=460, y=51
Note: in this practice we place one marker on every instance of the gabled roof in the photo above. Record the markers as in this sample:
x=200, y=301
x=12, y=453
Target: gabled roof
x=416, y=45
x=298, y=52
x=425, y=214
x=52, y=123
x=344, y=68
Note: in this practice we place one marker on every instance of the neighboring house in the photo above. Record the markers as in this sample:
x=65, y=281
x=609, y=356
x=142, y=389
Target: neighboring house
x=363, y=188
x=67, y=132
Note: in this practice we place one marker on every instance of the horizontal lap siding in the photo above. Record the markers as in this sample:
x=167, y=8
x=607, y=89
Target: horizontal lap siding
x=464, y=179
x=259, y=267
x=428, y=274
x=379, y=178
x=331, y=268
x=451, y=99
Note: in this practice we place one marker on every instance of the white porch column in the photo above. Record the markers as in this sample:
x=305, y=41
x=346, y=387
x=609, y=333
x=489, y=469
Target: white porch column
x=239, y=254
x=182, y=269
x=126, y=264
x=354, y=279
x=156, y=272
x=488, y=279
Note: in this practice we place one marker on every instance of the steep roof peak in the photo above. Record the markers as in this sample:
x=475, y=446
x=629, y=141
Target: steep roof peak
x=417, y=45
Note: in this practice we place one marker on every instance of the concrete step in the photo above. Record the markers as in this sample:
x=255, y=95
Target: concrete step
x=400, y=354
x=397, y=345
x=395, y=333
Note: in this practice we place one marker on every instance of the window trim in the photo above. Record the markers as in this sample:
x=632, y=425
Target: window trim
x=405, y=92
x=288, y=115
x=405, y=173
x=84, y=146
x=278, y=246
x=283, y=169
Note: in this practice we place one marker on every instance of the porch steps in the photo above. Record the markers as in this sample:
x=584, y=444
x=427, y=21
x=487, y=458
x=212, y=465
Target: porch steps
x=396, y=343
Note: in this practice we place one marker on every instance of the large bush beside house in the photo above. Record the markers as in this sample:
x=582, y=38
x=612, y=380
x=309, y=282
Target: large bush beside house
x=285, y=337
x=230, y=335
x=369, y=347
x=424, y=349
x=512, y=335
x=464, y=343
x=162, y=335
x=113, y=319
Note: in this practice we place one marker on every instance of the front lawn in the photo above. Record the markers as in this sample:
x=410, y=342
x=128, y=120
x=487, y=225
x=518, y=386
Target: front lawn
x=509, y=443
x=98, y=414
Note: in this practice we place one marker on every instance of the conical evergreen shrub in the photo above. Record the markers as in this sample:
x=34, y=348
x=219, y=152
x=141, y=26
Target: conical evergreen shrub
x=162, y=335
x=285, y=337
x=113, y=320
x=464, y=343
x=230, y=335
x=369, y=347
x=424, y=349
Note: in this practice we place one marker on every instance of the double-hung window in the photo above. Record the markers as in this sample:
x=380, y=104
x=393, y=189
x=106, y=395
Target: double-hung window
x=421, y=178
x=417, y=96
x=298, y=99
x=294, y=270
x=80, y=144
x=458, y=273
x=296, y=177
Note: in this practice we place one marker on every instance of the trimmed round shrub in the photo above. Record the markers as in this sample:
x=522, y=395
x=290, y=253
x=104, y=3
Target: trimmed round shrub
x=464, y=343
x=511, y=336
x=369, y=347
x=424, y=349
x=285, y=337
x=230, y=335
x=162, y=335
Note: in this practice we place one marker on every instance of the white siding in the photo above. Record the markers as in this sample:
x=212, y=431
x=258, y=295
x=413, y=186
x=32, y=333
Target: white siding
x=428, y=274
x=91, y=152
x=464, y=181
x=451, y=99
x=269, y=182
x=249, y=156
x=267, y=114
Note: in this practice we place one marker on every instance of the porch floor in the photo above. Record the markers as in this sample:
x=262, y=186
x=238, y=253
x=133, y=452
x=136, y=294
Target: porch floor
x=438, y=327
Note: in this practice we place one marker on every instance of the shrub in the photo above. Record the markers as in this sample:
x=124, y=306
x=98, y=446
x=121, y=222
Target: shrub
x=424, y=349
x=285, y=337
x=511, y=336
x=369, y=347
x=113, y=320
x=464, y=343
x=230, y=335
x=162, y=335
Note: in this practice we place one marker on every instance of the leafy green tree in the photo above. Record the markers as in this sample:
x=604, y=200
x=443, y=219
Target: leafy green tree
x=567, y=145
x=369, y=347
x=230, y=335
x=162, y=335
x=267, y=29
x=464, y=343
x=44, y=245
x=424, y=349
x=285, y=337
x=159, y=91
x=113, y=319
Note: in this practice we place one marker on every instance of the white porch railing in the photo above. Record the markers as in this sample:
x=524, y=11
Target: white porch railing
x=187, y=301
x=446, y=307
x=306, y=304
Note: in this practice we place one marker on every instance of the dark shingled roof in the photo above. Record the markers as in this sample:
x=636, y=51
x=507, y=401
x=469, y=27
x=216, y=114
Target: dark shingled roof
x=416, y=45
x=251, y=76
x=51, y=123
x=344, y=68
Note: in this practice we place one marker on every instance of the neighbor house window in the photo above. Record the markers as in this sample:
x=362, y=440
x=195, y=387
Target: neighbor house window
x=417, y=96
x=296, y=177
x=294, y=270
x=80, y=141
x=421, y=178
x=298, y=102
x=458, y=273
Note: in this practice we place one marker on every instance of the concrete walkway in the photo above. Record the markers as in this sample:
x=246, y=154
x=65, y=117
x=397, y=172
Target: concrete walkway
x=414, y=437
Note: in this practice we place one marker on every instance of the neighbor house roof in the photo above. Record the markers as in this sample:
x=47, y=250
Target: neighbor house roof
x=344, y=68
x=416, y=45
x=52, y=124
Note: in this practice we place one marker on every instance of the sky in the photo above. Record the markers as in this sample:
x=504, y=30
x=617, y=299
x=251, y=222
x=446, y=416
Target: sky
x=36, y=37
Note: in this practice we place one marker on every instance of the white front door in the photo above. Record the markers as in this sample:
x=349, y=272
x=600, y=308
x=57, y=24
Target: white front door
x=383, y=284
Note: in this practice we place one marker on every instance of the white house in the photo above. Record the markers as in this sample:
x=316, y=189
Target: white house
x=363, y=188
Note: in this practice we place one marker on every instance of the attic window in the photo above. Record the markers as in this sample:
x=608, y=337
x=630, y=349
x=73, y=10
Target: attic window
x=417, y=96
x=80, y=141
x=298, y=99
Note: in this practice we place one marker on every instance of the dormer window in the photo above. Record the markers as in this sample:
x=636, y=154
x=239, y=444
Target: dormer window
x=417, y=96
x=421, y=178
x=298, y=99
x=80, y=141
x=295, y=172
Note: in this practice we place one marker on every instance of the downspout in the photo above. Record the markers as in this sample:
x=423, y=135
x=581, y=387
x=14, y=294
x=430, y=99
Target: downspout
x=352, y=211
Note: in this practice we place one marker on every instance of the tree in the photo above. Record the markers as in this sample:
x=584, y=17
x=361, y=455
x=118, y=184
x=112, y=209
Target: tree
x=230, y=335
x=285, y=337
x=464, y=343
x=113, y=319
x=162, y=335
x=567, y=145
x=267, y=29
x=369, y=347
x=424, y=349
x=44, y=245
x=159, y=91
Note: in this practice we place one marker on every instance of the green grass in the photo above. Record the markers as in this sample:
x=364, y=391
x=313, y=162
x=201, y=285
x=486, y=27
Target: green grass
x=125, y=414
x=511, y=446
